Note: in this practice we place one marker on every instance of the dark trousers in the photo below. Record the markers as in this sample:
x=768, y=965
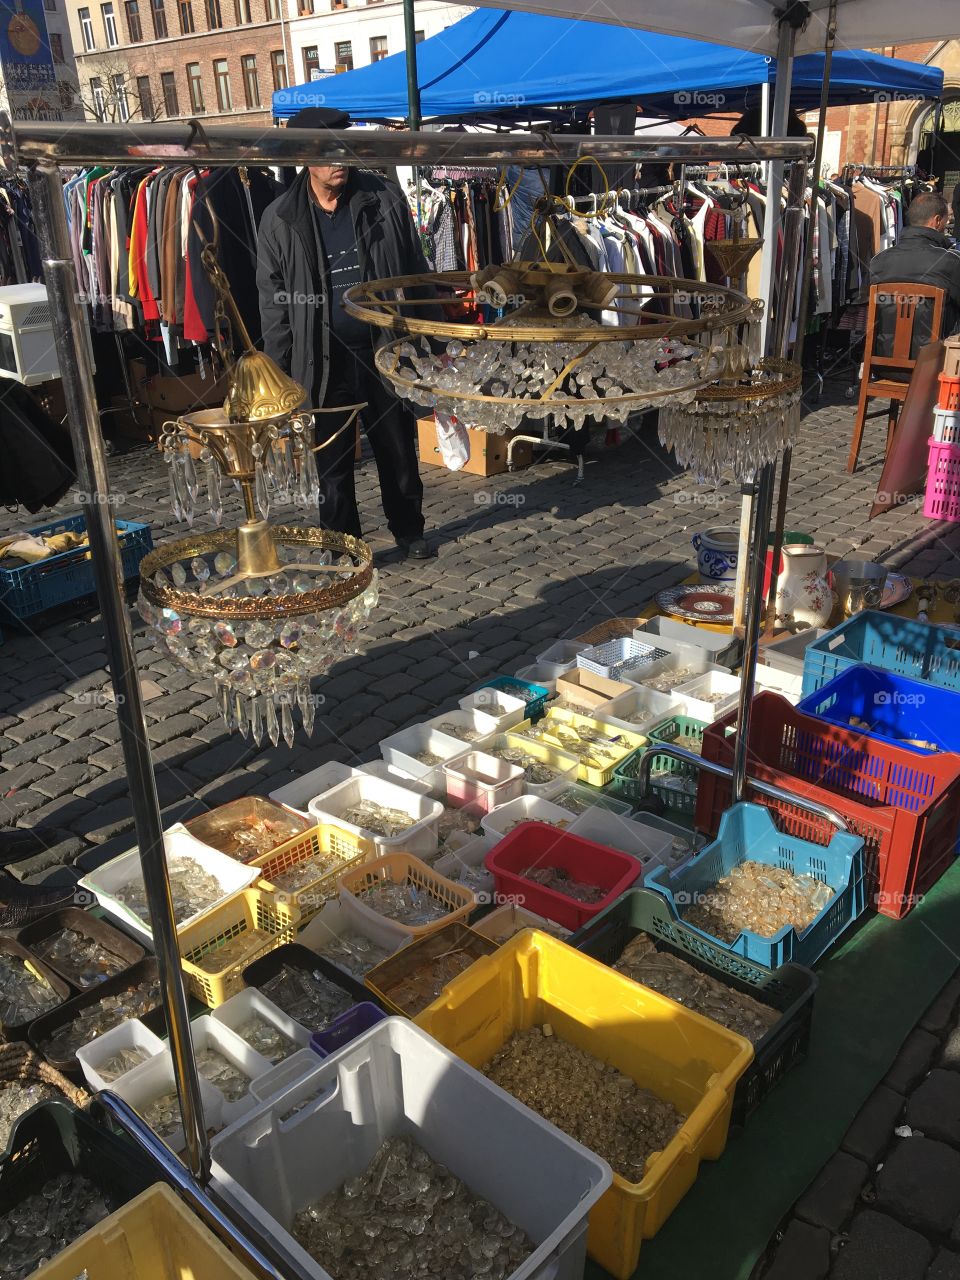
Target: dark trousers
x=391, y=430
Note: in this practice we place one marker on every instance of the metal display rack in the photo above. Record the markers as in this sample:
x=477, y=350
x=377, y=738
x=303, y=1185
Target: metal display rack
x=41, y=148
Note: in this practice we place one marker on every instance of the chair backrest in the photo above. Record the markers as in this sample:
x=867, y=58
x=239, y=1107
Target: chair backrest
x=903, y=317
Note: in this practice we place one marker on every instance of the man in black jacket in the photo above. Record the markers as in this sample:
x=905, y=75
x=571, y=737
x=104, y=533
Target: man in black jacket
x=923, y=255
x=333, y=228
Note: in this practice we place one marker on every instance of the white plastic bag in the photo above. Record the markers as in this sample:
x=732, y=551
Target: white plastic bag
x=453, y=441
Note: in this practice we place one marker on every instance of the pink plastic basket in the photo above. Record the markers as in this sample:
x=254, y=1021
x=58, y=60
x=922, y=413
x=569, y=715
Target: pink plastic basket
x=942, y=500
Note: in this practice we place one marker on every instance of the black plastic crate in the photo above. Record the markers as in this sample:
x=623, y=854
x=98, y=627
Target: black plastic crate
x=789, y=989
x=87, y=924
x=297, y=956
x=18, y=1031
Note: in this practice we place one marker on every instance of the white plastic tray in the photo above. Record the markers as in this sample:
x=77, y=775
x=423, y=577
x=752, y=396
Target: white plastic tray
x=503, y=707
x=469, y=856
x=284, y=1075
x=671, y=629
x=140, y=1086
x=499, y=821
x=178, y=843
x=691, y=695
x=789, y=652
x=131, y=1034
x=332, y=920
x=401, y=749
x=422, y=835
x=233, y=1013
x=639, y=709
x=395, y=1079
x=298, y=794
x=471, y=721
x=542, y=673
x=563, y=653
x=649, y=846
x=695, y=661
x=787, y=683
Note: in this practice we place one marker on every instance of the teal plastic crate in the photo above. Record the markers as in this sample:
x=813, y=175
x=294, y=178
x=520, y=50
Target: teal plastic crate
x=679, y=805
x=747, y=833
x=59, y=579
x=534, y=695
x=904, y=646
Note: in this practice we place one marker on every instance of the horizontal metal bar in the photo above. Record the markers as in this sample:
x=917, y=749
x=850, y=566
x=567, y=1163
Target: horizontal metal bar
x=247, y=1239
x=721, y=771
x=171, y=143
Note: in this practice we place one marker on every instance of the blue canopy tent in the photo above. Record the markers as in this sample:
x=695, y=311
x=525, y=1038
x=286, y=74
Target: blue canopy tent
x=505, y=62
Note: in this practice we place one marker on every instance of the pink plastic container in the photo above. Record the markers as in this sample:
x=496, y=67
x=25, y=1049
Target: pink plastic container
x=942, y=500
x=479, y=782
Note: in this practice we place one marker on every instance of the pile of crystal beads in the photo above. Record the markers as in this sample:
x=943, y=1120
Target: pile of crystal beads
x=587, y=742
x=269, y=1041
x=81, y=959
x=588, y=1099
x=162, y=1113
x=406, y=1217
x=455, y=820
x=714, y=437
x=119, y=1063
x=353, y=952
x=263, y=666
x=192, y=888
x=671, y=976
x=232, y=952
x=376, y=818
x=534, y=770
x=407, y=903
x=514, y=376
x=306, y=996
x=560, y=881
x=24, y=994
x=667, y=681
x=254, y=834
x=758, y=897
x=16, y=1097
x=41, y=1225
x=100, y=1017
x=222, y=1073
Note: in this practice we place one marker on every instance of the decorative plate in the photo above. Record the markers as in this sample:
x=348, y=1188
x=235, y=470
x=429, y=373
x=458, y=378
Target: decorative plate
x=897, y=588
x=698, y=604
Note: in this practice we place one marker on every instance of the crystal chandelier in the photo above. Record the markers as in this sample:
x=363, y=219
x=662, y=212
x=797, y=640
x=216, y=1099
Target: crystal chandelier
x=739, y=423
x=571, y=344
x=261, y=609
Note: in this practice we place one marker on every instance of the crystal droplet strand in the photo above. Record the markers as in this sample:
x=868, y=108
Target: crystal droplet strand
x=307, y=708
x=214, y=495
x=241, y=710
x=260, y=490
x=186, y=497
x=170, y=458
x=190, y=477
x=273, y=724
x=256, y=720
x=286, y=720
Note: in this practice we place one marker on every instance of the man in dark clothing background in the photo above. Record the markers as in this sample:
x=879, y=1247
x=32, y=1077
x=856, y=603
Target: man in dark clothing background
x=923, y=255
x=333, y=228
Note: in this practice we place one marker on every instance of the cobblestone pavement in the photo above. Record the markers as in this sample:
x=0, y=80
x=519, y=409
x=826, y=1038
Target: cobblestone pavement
x=523, y=559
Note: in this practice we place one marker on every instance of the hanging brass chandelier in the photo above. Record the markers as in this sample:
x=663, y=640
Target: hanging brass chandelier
x=261, y=608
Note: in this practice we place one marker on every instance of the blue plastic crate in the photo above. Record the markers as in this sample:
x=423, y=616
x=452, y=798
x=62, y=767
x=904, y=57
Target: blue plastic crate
x=919, y=650
x=900, y=711
x=534, y=695
x=747, y=833
x=68, y=576
x=346, y=1028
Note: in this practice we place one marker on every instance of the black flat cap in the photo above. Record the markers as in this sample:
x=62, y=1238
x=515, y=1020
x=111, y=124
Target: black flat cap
x=319, y=118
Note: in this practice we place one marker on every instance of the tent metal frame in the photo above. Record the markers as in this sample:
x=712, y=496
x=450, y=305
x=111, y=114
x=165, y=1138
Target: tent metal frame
x=42, y=147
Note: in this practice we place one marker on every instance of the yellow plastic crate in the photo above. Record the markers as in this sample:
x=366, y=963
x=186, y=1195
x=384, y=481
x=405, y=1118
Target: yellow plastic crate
x=248, y=910
x=591, y=774
x=405, y=868
x=565, y=764
x=320, y=841
x=154, y=1237
x=680, y=1056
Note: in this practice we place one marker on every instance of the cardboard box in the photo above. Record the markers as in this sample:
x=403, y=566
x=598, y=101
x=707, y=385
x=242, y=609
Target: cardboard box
x=587, y=688
x=488, y=452
x=173, y=394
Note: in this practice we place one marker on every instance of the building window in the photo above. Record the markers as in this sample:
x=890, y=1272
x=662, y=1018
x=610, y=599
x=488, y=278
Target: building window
x=338, y=4
x=159, y=20
x=109, y=26
x=311, y=62
x=133, y=21
x=278, y=69
x=195, y=84
x=272, y=10
x=241, y=9
x=99, y=102
x=221, y=78
x=50, y=6
x=378, y=48
x=304, y=7
x=86, y=30
x=187, y=27
x=251, y=85
x=145, y=97
x=56, y=46
x=120, y=97
x=214, y=15
x=343, y=52
x=168, y=86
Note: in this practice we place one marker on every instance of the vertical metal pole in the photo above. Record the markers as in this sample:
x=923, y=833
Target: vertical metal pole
x=778, y=336
x=413, y=85
x=47, y=193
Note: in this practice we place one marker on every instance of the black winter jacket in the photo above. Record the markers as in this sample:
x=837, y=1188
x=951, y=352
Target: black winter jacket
x=292, y=270
x=921, y=256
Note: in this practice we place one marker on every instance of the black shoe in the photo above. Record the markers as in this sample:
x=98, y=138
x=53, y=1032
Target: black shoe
x=417, y=548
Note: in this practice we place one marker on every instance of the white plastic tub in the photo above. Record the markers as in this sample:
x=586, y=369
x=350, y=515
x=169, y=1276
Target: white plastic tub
x=504, y=921
x=390, y=773
x=563, y=653
x=692, y=695
x=479, y=782
x=787, y=683
x=542, y=673
x=394, y=1080
x=503, y=707
x=789, y=652
x=694, y=661
x=401, y=750
x=473, y=722
x=298, y=794
x=420, y=836
x=250, y=1002
x=208, y=1033
x=501, y=820
x=650, y=847
x=465, y=866
x=178, y=843
x=670, y=629
x=154, y=1077
x=284, y=1075
x=574, y=797
x=131, y=1034
x=333, y=921
x=639, y=709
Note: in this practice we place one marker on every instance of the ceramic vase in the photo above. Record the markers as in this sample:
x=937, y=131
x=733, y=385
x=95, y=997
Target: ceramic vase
x=717, y=555
x=804, y=597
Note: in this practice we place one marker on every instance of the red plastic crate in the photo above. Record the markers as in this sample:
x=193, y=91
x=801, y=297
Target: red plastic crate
x=539, y=844
x=942, y=498
x=906, y=806
x=949, y=392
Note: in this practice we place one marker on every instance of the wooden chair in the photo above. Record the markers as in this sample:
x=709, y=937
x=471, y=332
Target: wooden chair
x=888, y=377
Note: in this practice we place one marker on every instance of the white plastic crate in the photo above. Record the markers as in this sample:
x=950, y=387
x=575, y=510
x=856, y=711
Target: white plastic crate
x=503, y=922
x=542, y=673
x=298, y=794
x=390, y=773
x=946, y=425
x=401, y=750
x=568, y=766
x=178, y=843
x=284, y=1075
x=250, y=1002
x=639, y=709
x=563, y=653
x=649, y=846
x=479, y=782
x=131, y=1034
x=789, y=652
x=789, y=684
x=669, y=629
x=396, y=1080
x=420, y=836
x=499, y=821
x=332, y=921
x=154, y=1077
x=692, y=695
x=621, y=658
x=696, y=662
x=465, y=866
x=208, y=1032
x=575, y=797
x=472, y=722
x=503, y=707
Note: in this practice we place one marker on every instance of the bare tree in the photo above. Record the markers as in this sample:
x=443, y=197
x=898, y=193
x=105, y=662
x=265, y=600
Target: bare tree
x=108, y=92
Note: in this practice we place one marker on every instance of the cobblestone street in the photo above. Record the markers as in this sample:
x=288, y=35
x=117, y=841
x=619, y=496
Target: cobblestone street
x=523, y=559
